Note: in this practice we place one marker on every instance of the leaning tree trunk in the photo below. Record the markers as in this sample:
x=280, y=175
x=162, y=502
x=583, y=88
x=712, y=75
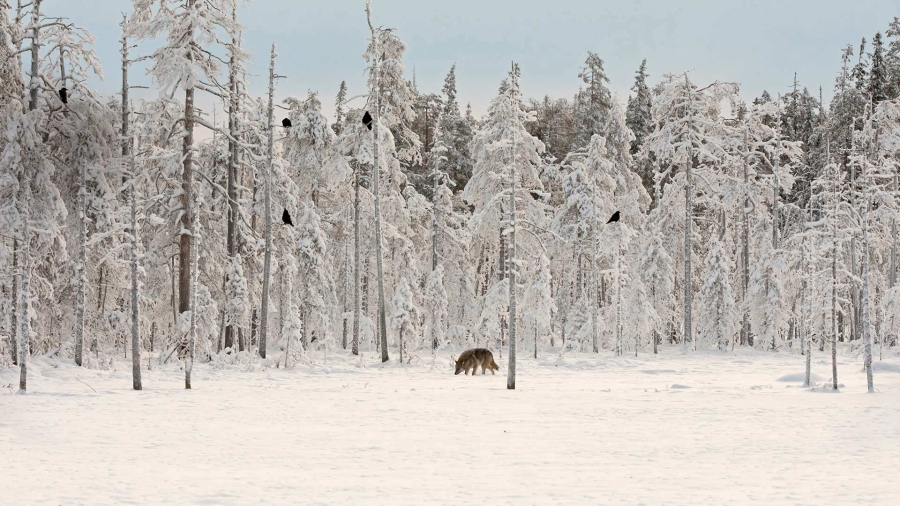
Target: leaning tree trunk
x=267, y=264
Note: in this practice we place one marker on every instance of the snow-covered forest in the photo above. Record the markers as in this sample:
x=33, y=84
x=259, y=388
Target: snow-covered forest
x=404, y=226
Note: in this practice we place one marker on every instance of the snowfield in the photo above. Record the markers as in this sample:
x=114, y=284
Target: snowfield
x=696, y=428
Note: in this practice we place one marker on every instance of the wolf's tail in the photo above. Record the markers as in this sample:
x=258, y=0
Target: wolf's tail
x=494, y=365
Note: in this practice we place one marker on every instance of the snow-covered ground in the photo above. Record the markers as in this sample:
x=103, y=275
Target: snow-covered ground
x=703, y=428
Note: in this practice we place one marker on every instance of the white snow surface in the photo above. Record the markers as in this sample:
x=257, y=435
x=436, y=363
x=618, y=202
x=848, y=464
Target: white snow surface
x=695, y=428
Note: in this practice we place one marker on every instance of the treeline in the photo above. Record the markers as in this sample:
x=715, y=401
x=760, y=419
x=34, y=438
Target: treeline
x=415, y=226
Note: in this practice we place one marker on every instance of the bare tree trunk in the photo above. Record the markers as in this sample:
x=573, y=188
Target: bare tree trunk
x=135, y=304
x=807, y=287
x=24, y=320
x=231, y=238
x=80, y=280
x=434, y=223
x=187, y=198
x=192, y=335
x=775, y=217
x=592, y=291
x=867, y=335
x=687, y=245
x=13, y=317
x=376, y=121
x=511, y=369
x=267, y=264
x=745, y=249
x=356, y=261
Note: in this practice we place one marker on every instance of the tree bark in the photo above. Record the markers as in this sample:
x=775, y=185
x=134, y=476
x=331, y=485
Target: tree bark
x=356, y=261
x=231, y=237
x=511, y=369
x=267, y=264
x=687, y=237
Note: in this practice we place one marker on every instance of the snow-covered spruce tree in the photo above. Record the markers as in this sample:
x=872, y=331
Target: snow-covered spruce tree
x=321, y=176
x=405, y=317
x=687, y=132
x=595, y=102
x=656, y=271
x=538, y=305
x=754, y=150
x=767, y=294
x=639, y=118
x=435, y=308
x=507, y=159
x=391, y=108
x=718, y=311
x=339, y=103
x=316, y=291
x=455, y=134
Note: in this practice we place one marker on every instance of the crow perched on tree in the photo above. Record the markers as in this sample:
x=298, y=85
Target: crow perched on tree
x=63, y=95
x=286, y=218
x=286, y=123
x=367, y=120
x=614, y=218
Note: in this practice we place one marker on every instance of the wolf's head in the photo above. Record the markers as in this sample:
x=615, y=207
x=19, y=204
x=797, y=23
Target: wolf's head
x=460, y=367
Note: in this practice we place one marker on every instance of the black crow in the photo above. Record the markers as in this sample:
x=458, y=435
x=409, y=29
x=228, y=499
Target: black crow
x=286, y=123
x=63, y=96
x=286, y=218
x=614, y=218
x=367, y=120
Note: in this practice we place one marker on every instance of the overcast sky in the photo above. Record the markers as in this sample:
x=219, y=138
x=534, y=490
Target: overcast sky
x=758, y=43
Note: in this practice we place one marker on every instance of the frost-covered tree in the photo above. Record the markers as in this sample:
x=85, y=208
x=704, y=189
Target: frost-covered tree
x=507, y=159
x=435, y=307
x=184, y=62
x=718, y=311
x=405, y=317
x=594, y=102
x=454, y=133
x=639, y=112
x=688, y=133
x=538, y=305
x=656, y=271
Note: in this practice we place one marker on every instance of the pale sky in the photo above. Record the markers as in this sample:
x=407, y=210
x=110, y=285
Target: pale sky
x=758, y=43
